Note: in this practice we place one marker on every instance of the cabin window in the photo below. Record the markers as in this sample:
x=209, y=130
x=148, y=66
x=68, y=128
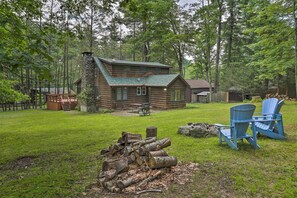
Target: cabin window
x=138, y=91
x=122, y=93
x=177, y=95
x=127, y=68
x=143, y=91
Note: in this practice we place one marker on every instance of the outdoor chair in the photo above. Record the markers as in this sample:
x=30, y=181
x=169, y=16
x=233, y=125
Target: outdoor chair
x=271, y=124
x=144, y=109
x=240, y=119
x=268, y=106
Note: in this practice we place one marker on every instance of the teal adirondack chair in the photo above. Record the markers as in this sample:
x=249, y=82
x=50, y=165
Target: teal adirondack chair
x=268, y=106
x=240, y=119
x=271, y=124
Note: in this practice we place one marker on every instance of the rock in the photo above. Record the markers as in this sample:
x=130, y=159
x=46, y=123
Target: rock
x=198, y=130
x=184, y=130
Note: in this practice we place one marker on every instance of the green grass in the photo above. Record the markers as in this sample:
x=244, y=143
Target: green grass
x=65, y=147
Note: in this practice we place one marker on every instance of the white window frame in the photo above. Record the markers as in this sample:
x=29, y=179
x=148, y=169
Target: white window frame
x=138, y=91
x=143, y=91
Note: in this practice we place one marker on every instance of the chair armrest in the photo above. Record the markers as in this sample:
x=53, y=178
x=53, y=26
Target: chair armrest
x=221, y=126
x=266, y=120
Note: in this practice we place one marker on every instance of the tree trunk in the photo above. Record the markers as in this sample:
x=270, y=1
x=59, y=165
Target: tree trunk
x=230, y=36
x=91, y=26
x=217, y=72
x=134, y=45
x=295, y=28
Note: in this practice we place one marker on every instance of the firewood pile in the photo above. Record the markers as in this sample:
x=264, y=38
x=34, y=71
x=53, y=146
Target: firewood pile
x=134, y=162
x=279, y=96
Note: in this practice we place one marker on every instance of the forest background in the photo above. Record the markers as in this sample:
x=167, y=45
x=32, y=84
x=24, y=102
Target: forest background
x=247, y=44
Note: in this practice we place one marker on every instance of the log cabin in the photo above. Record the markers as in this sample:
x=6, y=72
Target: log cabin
x=118, y=84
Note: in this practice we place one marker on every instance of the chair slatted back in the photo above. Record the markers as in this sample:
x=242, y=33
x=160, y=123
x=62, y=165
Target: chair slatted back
x=241, y=113
x=276, y=112
x=268, y=106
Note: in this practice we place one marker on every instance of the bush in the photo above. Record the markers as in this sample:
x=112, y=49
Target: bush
x=256, y=99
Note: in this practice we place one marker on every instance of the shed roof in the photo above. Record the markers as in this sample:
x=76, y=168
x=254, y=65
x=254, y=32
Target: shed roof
x=133, y=63
x=152, y=80
x=203, y=93
x=194, y=84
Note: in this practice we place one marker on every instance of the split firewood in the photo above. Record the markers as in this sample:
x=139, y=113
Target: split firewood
x=131, y=138
x=111, y=186
x=122, y=165
x=121, y=140
x=109, y=164
x=131, y=159
x=104, y=151
x=125, y=183
x=118, y=164
x=146, y=141
x=154, y=146
x=128, y=150
x=157, y=153
x=109, y=175
x=151, y=178
x=162, y=162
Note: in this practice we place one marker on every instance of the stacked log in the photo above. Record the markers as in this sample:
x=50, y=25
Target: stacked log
x=279, y=96
x=134, y=162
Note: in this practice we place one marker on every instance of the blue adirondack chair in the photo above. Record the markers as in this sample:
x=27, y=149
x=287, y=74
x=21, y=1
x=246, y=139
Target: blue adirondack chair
x=271, y=124
x=240, y=118
x=268, y=106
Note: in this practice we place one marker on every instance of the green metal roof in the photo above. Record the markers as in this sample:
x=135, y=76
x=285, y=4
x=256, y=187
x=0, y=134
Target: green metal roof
x=153, y=80
x=160, y=80
x=133, y=63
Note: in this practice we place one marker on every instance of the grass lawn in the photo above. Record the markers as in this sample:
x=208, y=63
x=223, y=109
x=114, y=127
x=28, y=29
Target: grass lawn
x=64, y=147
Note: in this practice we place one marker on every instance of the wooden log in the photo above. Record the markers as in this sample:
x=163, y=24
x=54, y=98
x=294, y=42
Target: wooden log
x=157, y=153
x=110, y=174
x=131, y=138
x=162, y=162
x=104, y=151
x=146, y=141
x=151, y=131
x=148, y=190
x=121, y=165
x=128, y=150
x=118, y=164
x=131, y=159
x=151, y=178
x=108, y=164
x=125, y=183
x=157, y=145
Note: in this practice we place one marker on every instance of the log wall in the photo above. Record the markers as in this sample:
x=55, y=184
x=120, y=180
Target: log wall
x=157, y=97
x=177, y=84
x=132, y=98
x=104, y=92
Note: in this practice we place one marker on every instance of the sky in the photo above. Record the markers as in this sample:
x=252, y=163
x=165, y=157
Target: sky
x=183, y=2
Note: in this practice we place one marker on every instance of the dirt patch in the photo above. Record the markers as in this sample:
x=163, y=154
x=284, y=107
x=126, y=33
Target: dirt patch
x=20, y=163
x=179, y=175
x=185, y=180
x=128, y=113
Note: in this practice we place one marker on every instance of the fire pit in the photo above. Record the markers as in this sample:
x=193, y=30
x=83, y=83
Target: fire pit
x=198, y=130
x=133, y=163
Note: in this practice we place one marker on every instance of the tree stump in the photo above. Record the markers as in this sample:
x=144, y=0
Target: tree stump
x=151, y=131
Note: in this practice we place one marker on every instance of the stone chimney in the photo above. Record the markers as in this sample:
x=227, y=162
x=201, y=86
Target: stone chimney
x=88, y=98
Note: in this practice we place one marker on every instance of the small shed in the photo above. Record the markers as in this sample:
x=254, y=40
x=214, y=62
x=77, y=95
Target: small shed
x=196, y=87
x=203, y=96
x=235, y=94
